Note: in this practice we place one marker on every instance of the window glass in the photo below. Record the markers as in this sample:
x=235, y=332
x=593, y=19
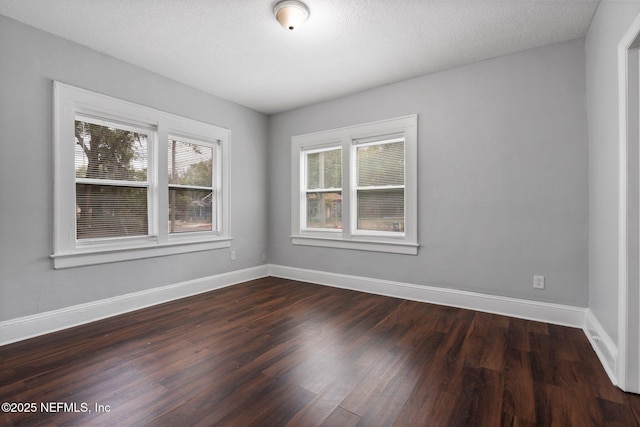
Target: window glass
x=380, y=186
x=323, y=189
x=381, y=164
x=355, y=187
x=191, y=191
x=133, y=182
x=110, y=211
x=111, y=180
x=381, y=210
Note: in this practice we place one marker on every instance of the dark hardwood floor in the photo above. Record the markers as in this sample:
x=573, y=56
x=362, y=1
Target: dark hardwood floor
x=274, y=352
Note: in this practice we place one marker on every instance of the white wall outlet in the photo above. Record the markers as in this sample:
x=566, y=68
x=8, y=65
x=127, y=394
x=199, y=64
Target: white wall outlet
x=538, y=282
x=233, y=255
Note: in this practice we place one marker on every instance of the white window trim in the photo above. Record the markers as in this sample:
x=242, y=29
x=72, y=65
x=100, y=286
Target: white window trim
x=216, y=145
x=70, y=101
x=347, y=138
x=303, y=193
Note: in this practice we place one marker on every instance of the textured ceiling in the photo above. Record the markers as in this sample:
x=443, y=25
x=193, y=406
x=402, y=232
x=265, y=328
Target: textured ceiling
x=236, y=50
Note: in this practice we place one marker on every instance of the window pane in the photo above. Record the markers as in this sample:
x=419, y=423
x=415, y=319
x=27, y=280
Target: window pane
x=190, y=164
x=324, y=210
x=107, y=152
x=110, y=211
x=381, y=164
x=381, y=210
x=324, y=169
x=190, y=210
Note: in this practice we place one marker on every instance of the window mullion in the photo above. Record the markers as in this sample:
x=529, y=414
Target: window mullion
x=323, y=190
x=190, y=187
x=218, y=177
x=379, y=187
x=348, y=180
x=374, y=155
x=113, y=182
x=161, y=183
x=301, y=214
x=124, y=216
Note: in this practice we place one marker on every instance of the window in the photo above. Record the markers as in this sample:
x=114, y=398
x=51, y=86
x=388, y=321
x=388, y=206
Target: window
x=380, y=186
x=191, y=186
x=323, y=189
x=111, y=185
x=356, y=187
x=133, y=182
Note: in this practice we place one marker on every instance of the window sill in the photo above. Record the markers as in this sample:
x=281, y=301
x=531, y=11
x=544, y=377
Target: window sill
x=389, y=246
x=114, y=253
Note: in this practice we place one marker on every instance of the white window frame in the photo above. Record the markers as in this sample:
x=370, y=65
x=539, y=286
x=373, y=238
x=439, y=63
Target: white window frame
x=305, y=190
x=151, y=145
x=215, y=186
x=71, y=102
x=349, y=138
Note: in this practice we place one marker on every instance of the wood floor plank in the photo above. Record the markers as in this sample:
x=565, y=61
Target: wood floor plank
x=518, y=335
x=479, y=401
x=368, y=395
x=341, y=418
x=322, y=409
x=635, y=408
x=615, y=414
x=281, y=352
x=518, y=398
x=495, y=345
x=509, y=420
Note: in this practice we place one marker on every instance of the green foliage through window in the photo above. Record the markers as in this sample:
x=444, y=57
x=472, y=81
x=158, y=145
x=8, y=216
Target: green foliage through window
x=324, y=176
x=191, y=192
x=112, y=155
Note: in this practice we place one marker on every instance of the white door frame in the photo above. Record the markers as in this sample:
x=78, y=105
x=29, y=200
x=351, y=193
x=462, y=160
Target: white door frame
x=627, y=364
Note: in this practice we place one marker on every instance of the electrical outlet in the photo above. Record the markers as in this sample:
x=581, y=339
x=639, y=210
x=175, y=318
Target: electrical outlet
x=538, y=282
x=233, y=255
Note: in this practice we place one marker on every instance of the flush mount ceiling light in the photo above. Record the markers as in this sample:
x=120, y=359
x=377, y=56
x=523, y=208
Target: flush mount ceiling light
x=291, y=14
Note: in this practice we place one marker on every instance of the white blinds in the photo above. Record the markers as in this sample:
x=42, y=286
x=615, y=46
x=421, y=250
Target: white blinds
x=380, y=185
x=111, y=165
x=380, y=163
x=191, y=186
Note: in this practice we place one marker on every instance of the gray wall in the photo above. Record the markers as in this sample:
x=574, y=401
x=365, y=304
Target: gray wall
x=611, y=21
x=502, y=176
x=30, y=60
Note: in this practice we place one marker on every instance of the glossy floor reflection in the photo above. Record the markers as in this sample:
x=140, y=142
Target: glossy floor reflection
x=277, y=352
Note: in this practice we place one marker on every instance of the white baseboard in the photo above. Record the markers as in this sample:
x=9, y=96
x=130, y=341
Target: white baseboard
x=524, y=309
x=43, y=323
x=603, y=345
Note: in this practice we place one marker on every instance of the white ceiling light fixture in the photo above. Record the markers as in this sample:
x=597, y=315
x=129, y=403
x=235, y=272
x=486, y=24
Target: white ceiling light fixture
x=291, y=14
